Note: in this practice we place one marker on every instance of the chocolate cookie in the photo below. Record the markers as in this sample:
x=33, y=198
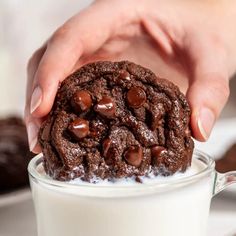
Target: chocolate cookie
x=14, y=154
x=228, y=161
x=113, y=120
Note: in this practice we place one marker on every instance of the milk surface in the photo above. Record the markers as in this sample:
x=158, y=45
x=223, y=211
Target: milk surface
x=101, y=211
x=150, y=179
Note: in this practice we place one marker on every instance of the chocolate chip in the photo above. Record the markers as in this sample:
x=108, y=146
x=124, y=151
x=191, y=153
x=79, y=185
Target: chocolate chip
x=134, y=155
x=156, y=152
x=81, y=101
x=124, y=75
x=105, y=107
x=136, y=97
x=108, y=152
x=106, y=145
x=79, y=128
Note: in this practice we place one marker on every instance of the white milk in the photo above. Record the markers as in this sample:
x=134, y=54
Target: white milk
x=133, y=210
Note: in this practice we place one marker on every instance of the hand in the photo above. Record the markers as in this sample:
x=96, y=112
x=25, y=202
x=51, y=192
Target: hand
x=194, y=38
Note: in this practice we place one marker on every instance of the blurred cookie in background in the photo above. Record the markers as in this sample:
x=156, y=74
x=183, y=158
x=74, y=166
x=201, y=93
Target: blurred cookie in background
x=14, y=154
x=228, y=161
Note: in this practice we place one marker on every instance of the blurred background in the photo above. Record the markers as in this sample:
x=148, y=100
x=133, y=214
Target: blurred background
x=24, y=26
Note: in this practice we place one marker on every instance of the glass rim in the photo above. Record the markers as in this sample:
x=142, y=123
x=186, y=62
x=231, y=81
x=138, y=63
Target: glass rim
x=118, y=189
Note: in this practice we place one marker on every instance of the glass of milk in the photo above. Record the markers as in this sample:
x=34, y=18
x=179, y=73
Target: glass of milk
x=163, y=206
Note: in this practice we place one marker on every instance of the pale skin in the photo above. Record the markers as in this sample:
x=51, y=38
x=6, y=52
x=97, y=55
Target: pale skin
x=190, y=41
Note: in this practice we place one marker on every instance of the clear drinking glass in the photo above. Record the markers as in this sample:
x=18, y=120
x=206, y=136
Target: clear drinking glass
x=176, y=207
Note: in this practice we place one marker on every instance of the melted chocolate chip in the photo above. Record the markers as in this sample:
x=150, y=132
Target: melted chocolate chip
x=81, y=101
x=105, y=107
x=124, y=75
x=106, y=145
x=156, y=153
x=134, y=155
x=136, y=97
x=79, y=128
x=108, y=151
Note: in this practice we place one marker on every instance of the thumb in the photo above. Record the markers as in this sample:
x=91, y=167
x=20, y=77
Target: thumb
x=209, y=87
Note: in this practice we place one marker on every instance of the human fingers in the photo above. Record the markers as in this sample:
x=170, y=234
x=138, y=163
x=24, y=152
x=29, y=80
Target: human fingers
x=82, y=35
x=209, y=86
x=32, y=123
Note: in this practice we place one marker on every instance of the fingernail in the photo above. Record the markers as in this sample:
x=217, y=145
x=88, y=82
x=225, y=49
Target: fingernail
x=32, y=131
x=36, y=99
x=206, y=122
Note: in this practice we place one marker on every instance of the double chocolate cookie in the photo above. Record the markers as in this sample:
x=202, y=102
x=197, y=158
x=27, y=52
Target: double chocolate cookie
x=14, y=154
x=114, y=120
x=228, y=161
